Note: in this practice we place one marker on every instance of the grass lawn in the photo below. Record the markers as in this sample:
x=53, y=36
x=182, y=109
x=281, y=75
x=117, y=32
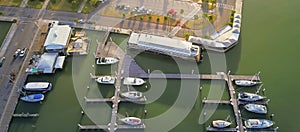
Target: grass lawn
x=10, y=2
x=64, y=5
x=89, y=7
x=112, y=12
x=35, y=3
x=4, y=26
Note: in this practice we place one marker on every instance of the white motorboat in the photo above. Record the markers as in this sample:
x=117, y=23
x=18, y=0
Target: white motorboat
x=245, y=83
x=220, y=123
x=244, y=96
x=38, y=86
x=258, y=123
x=132, y=94
x=33, y=98
x=131, y=120
x=133, y=81
x=256, y=108
x=106, y=79
x=106, y=60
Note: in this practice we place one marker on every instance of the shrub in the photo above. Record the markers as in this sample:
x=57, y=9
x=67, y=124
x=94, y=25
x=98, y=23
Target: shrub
x=15, y=21
x=76, y=19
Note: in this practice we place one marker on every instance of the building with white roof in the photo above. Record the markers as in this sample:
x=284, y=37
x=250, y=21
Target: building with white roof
x=58, y=38
x=163, y=45
x=49, y=62
x=223, y=39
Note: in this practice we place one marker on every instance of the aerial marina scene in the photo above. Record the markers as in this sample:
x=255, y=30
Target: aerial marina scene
x=148, y=65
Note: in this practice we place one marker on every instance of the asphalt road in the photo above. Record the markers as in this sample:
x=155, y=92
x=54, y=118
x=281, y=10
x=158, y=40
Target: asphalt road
x=22, y=38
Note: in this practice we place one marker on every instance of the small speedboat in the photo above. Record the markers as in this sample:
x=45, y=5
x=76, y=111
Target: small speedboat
x=132, y=94
x=244, y=96
x=33, y=98
x=106, y=79
x=131, y=120
x=133, y=81
x=106, y=60
x=220, y=123
x=258, y=123
x=38, y=86
x=256, y=108
x=246, y=82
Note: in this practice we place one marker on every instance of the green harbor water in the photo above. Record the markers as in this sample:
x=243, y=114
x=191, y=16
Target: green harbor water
x=268, y=43
x=4, y=26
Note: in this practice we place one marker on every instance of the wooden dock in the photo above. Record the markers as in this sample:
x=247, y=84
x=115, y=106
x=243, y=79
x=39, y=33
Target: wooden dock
x=234, y=103
x=101, y=45
x=216, y=101
x=212, y=129
x=107, y=127
x=102, y=100
x=25, y=115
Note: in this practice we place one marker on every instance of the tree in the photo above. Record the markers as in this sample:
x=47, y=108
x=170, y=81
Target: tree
x=74, y=1
x=187, y=35
x=141, y=18
x=75, y=19
x=196, y=17
x=181, y=11
x=93, y=2
x=123, y=14
x=1, y=12
x=150, y=17
x=157, y=20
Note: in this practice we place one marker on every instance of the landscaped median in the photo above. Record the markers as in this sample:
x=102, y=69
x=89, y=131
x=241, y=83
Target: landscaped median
x=64, y=5
x=10, y=2
x=35, y=3
x=90, y=6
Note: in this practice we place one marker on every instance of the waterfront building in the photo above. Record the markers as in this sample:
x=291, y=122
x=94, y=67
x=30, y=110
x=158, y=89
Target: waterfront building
x=223, y=39
x=164, y=45
x=58, y=38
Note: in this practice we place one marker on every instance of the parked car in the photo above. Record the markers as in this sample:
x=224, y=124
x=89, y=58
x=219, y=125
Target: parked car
x=81, y=21
x=2, y=61
x=23, y=52
x=17, y=53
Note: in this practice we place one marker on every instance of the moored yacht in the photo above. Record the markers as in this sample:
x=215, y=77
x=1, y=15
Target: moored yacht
x=258, y=123
x=246, y=83
x=106, y=60
x=220, y=123
x=244, y=96
x=256, y=108
x=106, y=79
x=33, y=98
x=132, y=94
x=131, y=120
x=133, y=81
x=38, y=86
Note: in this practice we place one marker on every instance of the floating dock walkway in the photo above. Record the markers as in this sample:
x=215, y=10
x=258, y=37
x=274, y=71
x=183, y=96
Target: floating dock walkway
x=107, y=127
x=25, y=115
x=102, y=100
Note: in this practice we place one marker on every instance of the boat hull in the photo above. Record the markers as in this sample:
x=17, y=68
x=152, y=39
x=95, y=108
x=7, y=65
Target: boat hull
x=221, y=124
x=250, y=97
x=106, y=61
x=33, y=98
x=38, y=87
x=258, y=123
x=131, y=121
x=245, y=83
x=106, y=80
x=256, y=108
x=132, y=95
x=133, y=81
